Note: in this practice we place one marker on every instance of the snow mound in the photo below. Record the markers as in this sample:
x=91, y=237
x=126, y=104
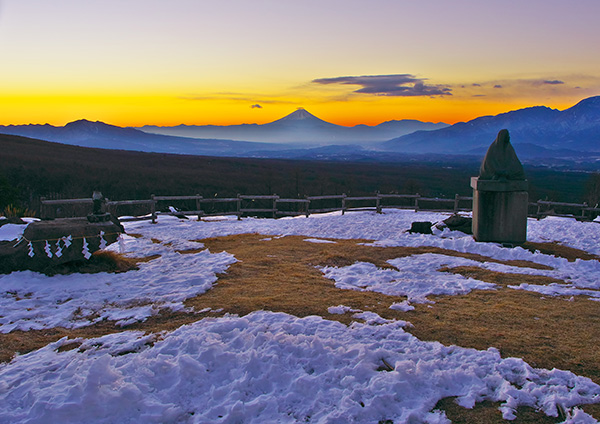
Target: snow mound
x=273, y=367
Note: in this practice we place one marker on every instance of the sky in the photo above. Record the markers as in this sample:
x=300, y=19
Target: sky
x=137, y=62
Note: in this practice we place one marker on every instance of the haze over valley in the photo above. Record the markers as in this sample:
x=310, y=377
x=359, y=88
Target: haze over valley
x=568, y=138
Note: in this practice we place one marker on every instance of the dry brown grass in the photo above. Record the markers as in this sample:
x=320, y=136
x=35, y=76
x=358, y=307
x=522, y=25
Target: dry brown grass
x=556, y=249
x=100, y=261
x=280, y=275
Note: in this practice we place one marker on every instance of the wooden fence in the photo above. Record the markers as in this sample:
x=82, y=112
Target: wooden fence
x=275, y=206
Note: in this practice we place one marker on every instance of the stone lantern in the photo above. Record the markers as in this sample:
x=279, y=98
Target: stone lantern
x=500, y=198
x=99, y=213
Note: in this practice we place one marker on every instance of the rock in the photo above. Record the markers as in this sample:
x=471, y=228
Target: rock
x=50, y=243
x=457, y=223
x=422, y=227
x=177, y=213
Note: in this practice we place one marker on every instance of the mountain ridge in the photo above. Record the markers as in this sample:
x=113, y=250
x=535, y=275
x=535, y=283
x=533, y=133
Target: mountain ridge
x=299, y=127
x=576, y=129
x=536, y=131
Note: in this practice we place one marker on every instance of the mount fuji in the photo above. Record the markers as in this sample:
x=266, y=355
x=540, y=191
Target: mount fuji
x=299, y=127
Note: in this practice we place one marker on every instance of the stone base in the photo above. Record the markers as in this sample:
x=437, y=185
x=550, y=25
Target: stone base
x=99, y=217
x=43, y=245
x=500, y=211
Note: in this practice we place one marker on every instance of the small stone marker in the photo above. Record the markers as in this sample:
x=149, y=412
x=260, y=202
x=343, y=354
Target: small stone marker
x=500, y=197
x=421, y=227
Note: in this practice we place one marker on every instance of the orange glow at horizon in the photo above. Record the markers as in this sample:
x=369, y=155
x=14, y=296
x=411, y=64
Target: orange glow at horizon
x=162, y=110
x=211, y=62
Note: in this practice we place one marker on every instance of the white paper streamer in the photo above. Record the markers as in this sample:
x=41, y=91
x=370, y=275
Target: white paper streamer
x=86, y=251
x=67, y=241
x=103, y=243
x=47, y=249
x=31, y=252
x=58, y=252
x=121, y=244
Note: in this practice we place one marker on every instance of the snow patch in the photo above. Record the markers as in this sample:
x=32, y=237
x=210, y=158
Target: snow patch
x=273, y=367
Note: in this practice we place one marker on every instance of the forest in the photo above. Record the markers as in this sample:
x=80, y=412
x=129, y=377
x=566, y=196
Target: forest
x=30, y=169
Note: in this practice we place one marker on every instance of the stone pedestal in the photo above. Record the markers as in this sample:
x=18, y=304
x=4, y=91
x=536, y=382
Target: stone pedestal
x=50, y=243
x=500, y=210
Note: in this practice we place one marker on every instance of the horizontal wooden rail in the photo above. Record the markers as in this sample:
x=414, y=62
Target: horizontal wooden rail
x=292, y=201
x=398, y=196
x=337, y=196
x=66, y=201
x=435, y=199
x=219, y=200
x=128, y=202
x=572, y=205
x=197, y=197
x=261, y=197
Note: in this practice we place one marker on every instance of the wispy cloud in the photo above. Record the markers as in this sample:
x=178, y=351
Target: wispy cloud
x=402, y=85
x=256, y=100
x=553, y=82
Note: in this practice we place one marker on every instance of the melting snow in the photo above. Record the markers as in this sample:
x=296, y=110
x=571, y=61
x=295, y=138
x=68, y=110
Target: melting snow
x=272, y=367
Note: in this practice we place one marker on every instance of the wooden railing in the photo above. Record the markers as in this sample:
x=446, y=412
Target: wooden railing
x=274, y=206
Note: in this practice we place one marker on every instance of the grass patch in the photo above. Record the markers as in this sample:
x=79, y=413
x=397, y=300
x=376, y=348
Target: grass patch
x=556, y=249
x=100, y=261
x=487, y=412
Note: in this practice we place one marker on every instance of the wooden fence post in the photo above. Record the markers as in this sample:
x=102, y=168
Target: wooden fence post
x=307, y=205
x=153, y=209
x=42, y=207
x=343, y=203
x=198, y=205
x=539, y=209
x=378, y=203
x=275, y=197
x=239, y=207
x=417, y=202
x=456, y=203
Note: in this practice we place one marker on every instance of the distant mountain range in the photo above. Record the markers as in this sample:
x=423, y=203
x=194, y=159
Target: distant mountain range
x=300, y=127
x=536, y=132
x=98, y=134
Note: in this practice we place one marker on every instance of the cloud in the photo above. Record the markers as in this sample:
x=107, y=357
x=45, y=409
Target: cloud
x=498, y=86
x=476, y=85
x=256, y=106
x=553, y=82
x=255, y=99
x=402, y=85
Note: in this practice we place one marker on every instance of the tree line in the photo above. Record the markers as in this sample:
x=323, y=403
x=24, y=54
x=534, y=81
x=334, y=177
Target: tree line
x=30, y=169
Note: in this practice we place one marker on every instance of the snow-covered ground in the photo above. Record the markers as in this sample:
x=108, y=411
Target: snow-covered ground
x=273, y=367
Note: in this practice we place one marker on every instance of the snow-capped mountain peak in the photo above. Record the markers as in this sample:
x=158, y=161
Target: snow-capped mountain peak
x=301, y=117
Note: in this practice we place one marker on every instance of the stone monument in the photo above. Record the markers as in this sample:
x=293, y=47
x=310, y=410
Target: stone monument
x=99, y=213
x=500, y=198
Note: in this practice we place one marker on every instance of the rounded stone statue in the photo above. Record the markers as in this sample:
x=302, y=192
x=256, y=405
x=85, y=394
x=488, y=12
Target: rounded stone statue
x=501, y=161
x=500, y=199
